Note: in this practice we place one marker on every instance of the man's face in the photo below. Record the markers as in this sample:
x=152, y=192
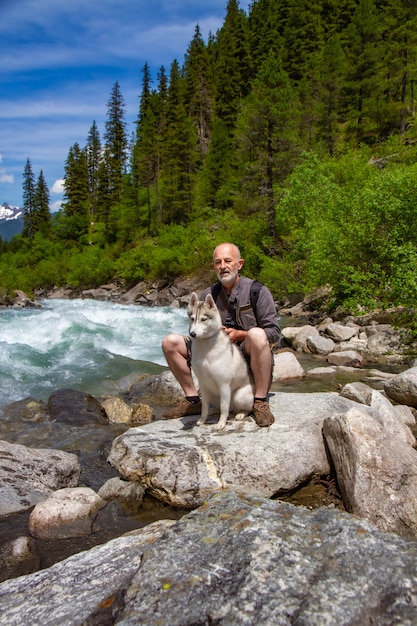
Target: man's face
x=227, y=263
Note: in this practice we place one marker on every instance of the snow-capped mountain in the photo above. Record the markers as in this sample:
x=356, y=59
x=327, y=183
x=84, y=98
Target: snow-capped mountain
x=11, y=221
x=10, y=212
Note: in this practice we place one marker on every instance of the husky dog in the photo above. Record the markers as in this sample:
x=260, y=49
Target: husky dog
x=224, y=377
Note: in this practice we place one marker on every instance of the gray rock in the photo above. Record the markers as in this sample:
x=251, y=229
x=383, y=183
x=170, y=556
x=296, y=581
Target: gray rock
x=68, y=512
x=129, y=494
x=287, y=367
x=236, y=561
x=349, y=357
x=358, y=392
x=340, y=332
x=299, y=342
x=181, y=463
x=403, y=387
x=90, y=584
x=376, y=470
x=320, y=345
x=30, y=475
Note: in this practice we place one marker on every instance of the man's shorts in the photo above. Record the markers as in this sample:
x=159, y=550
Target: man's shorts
x=241, y=346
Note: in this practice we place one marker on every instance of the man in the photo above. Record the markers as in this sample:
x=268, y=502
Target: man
x=254, y=331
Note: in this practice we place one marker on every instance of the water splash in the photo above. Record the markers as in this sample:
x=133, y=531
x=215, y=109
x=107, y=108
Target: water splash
x=83, y=344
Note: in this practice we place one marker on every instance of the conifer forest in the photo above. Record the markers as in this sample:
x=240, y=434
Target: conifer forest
x=290, y=132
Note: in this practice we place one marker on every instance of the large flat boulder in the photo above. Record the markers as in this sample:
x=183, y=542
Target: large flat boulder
x=235, y=561
x=181, y=463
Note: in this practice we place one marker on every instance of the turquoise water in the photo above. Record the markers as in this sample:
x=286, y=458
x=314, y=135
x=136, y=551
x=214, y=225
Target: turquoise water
x=82, y=344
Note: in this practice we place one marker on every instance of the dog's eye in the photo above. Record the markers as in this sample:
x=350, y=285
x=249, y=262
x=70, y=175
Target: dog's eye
x=203, y=318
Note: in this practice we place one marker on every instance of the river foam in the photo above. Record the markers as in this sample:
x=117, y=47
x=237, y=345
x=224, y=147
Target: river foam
x=82, y=344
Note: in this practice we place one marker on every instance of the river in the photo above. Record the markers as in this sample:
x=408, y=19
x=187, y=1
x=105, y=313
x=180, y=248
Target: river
x=89, y=345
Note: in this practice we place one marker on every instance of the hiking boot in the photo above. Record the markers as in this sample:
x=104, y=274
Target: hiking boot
x=262, y=413
x=183, y=408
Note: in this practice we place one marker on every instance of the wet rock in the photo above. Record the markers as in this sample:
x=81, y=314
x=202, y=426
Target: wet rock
x=66, y=513
x=30, y=475
x=18, y=557
x=21, y=300
x=29, y=410
x=75, y=407
x=129, y=494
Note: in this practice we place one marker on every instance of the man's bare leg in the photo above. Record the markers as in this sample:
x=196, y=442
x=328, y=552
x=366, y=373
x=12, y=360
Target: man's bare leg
x=175, y=351
x=259, y=351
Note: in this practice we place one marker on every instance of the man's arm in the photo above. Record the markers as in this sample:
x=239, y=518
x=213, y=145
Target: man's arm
x=266, y=315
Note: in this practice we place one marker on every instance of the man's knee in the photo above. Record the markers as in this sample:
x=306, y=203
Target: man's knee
x=256, y=338
x=170, y=342
x=174, y=343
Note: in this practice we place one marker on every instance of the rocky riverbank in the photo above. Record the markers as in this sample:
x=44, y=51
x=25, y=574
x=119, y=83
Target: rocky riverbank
x=360, y=440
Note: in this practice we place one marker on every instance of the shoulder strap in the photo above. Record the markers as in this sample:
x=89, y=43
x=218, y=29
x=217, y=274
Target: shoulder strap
x=255, y=288
x=215, y=290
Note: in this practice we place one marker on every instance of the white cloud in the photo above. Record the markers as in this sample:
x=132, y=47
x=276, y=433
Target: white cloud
x=58, y=186
x=54, y=207
x=6, y=178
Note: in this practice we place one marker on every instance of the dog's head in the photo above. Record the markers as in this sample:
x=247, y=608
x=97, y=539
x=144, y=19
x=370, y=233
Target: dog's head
x=204, y=317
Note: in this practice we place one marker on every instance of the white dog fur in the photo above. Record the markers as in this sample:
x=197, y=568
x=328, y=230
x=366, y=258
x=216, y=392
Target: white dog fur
x=223, y=374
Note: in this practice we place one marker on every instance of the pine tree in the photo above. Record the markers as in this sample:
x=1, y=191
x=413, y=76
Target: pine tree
x=268, y=138
x=199, y=90
x=399, y=53
x=178, y=153
x=28, y=200
x=76, y=188
x=116, y=143
x=234, y=66
x=145, y=151
x=332, y=74
x=41, y=217
x=363, y=77
x=105, y=194
x=93, y=154
x=303, y=37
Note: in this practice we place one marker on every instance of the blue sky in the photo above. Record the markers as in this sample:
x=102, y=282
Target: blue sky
x=59, y=61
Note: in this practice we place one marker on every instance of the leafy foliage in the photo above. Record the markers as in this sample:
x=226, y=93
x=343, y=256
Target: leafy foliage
x=290, y=132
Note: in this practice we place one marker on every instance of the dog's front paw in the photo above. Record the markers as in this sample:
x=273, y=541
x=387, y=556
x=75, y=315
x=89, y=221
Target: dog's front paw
x=200, y=422
x=240, y=416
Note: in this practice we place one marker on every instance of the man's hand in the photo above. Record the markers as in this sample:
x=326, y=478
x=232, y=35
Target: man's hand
x=235, y=335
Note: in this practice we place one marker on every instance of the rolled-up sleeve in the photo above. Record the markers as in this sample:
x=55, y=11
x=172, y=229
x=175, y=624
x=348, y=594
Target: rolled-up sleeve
x=266, y=315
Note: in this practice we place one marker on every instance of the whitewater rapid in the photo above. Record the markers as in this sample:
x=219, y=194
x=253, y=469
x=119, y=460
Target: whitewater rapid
x=81, y=344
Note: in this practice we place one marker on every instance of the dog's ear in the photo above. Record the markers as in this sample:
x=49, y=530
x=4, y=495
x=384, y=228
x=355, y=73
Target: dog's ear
x=210, y=301
x=193, y=299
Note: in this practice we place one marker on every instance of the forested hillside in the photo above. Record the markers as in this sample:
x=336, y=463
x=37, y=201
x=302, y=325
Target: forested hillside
x=290, y=131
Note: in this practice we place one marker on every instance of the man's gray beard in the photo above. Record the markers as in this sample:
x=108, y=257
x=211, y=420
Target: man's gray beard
x=228, y=279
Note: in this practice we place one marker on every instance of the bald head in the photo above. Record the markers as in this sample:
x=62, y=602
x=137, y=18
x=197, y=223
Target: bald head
x=227, y=263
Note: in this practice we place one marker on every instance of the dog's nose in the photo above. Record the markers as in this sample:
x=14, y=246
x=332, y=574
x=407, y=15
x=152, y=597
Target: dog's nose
x=192, y=334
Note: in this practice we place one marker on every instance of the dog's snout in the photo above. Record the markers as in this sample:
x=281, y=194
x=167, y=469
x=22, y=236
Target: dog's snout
x=192, y=333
